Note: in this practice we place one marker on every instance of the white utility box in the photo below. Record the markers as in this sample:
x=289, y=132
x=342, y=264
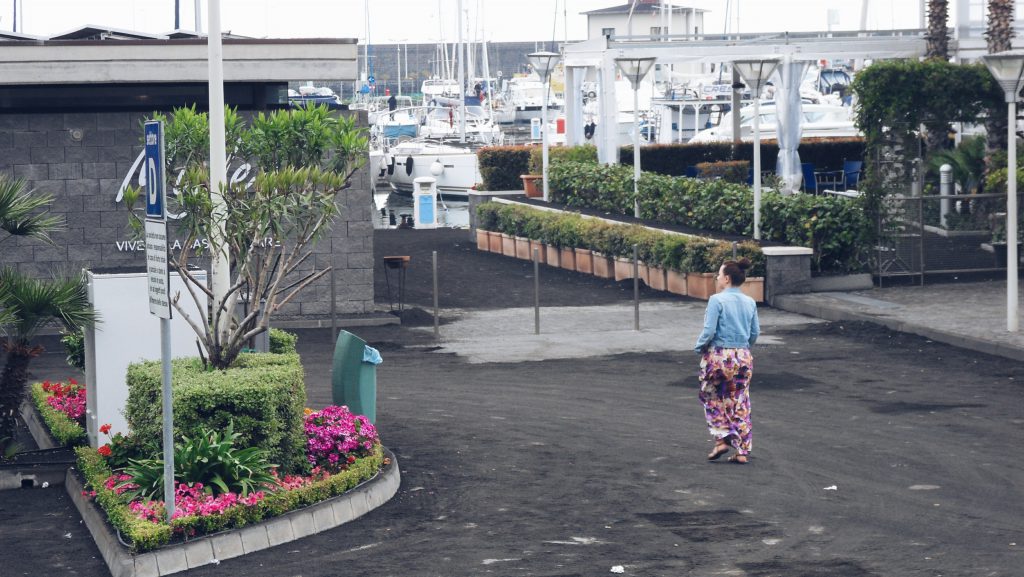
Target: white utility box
x=424, y=198
x=128, y=333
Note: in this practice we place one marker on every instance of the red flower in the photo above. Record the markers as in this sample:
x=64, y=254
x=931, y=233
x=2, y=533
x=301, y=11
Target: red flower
x=105, y=429
x=104, y=450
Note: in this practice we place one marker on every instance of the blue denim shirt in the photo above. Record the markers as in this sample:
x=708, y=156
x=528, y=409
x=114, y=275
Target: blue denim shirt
x=729, y=322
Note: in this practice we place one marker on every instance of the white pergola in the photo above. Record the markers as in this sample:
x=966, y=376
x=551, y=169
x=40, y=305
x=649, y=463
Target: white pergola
x=597, y=57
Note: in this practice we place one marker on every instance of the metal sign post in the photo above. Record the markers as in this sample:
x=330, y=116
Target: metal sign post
x=159, y=287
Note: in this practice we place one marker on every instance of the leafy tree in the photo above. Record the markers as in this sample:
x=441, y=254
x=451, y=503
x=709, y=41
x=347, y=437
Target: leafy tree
x=292, y=164
x=998, y=38
x=27, y=305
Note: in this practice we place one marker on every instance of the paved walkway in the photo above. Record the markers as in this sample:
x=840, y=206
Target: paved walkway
x=970, y=315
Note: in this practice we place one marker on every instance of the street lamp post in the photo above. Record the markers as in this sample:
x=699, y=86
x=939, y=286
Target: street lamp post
x=755, y=73
x=543, y=63
x=1008, y=69
x=635, y=69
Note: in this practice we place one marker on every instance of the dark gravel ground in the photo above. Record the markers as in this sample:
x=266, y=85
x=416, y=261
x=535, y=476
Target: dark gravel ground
x=876, y=454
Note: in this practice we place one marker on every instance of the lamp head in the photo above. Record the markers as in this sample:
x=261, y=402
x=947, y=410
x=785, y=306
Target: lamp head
x=543, y=63
x=756, y=72
x=1008, y=69
x=635, y=68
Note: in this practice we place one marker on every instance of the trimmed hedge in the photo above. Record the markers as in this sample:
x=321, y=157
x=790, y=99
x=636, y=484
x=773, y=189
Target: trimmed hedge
x=263, y=394
x=678, y=252
x=66, y=432
x=282, y=341
x=146, y=535
x=501, y=166
x=834, y=227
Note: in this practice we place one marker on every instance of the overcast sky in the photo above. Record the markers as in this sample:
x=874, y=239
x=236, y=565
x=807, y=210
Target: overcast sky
x=429, y=20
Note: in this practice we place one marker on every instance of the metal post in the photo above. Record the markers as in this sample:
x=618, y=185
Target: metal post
x=945, y=191
x=220, y=261
x=544, y=136
x=433, y=259
x=636, y=152
x=757, y=166
x=636, y=287
x=334, y=310
x=536, y=291
x=1012, y=322
x=168, y=409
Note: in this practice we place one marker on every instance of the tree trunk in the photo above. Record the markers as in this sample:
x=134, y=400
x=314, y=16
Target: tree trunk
x=937, y=134
x=998, y=37
x=12, y=383
x=938, y=30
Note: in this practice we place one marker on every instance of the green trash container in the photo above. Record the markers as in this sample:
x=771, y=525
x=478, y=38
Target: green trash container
x=353, y=380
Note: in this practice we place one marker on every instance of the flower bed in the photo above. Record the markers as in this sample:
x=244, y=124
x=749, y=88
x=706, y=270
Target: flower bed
x=62, y=407
x=343, y=449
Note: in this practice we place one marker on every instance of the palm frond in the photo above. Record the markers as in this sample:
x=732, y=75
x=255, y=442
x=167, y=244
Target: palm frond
x=30, y=304
x=23, y=212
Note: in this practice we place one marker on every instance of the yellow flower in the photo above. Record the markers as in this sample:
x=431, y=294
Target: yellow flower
x=307, y=411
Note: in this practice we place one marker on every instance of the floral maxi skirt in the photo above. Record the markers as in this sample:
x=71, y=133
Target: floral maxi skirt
x=724, y=391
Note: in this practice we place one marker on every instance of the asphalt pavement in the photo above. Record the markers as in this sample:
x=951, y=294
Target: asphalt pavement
x=580, y=450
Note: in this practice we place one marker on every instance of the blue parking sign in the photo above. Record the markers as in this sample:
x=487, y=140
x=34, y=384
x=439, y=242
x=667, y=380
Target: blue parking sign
x=156, y=194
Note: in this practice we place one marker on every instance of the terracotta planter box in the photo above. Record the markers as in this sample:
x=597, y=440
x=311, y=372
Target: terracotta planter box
x=533, y=185
x=604, y=266
x=700, y=285
x=483, y=240
x=494, y=242
x=584, y=261
x=623, y=268
x=675, y=282
x=754, y=288
x=643, y=271
x=567, y=258
x=508, y=245
x=523, y=248
x=656, y=278
x=551, y=255
x=541, y=248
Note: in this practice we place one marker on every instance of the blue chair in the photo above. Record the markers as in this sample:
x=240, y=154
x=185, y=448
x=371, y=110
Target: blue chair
x=692, y=172
x=851, y=173
x=810, y=182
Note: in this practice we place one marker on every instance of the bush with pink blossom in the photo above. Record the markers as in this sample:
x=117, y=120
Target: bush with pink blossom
x=336, y=438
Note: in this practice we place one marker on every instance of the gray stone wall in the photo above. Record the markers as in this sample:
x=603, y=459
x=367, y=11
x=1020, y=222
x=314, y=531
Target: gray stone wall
x=82, y=159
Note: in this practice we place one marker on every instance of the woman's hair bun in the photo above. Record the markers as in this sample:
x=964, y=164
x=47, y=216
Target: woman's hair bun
x=744, y=263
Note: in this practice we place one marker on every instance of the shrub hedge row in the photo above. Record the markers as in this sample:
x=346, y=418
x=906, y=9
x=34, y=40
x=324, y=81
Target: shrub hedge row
x=678, y=252
x=834, y=227
x=263, y=395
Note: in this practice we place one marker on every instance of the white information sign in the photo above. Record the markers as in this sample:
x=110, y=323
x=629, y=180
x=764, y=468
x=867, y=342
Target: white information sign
x=156, y=268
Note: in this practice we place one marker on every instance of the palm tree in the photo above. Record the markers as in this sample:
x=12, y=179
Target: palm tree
x=27, y=305
x=938, y=49
x=998, y=38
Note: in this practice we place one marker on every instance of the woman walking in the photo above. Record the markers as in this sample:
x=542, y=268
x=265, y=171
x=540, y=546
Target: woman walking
x=730, y=329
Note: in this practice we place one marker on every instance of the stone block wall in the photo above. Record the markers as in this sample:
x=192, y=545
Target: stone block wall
x=82, y=159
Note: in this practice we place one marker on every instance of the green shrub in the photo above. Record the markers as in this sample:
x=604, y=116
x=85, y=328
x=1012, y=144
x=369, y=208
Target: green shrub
x=282, y=342
x=74, y=346
x=263, y=394
x=487, y=216
x=501, y=166
x=210, y=458
x=735, y=171
x=63, y=430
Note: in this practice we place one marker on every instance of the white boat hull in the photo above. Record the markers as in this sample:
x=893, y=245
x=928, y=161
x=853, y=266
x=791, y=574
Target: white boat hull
x=456, y=171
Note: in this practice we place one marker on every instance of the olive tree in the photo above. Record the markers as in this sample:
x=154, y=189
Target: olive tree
x=288, y=168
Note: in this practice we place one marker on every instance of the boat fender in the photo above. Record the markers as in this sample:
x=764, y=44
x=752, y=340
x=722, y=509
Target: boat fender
x=437, y=168
x=408, y=166
x=391, y=166
x=588, y=130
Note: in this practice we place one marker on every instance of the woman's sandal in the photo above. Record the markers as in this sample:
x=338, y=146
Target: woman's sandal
x=719, y=450
x=738, y=459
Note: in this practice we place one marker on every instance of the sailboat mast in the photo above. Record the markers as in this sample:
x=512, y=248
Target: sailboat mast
x=460, y=93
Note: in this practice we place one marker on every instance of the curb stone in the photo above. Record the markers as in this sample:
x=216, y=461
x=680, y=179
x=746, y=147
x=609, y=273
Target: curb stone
x=214, y=548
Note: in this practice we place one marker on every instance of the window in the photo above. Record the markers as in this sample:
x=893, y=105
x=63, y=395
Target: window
x=607, y=32
x=656, y=31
